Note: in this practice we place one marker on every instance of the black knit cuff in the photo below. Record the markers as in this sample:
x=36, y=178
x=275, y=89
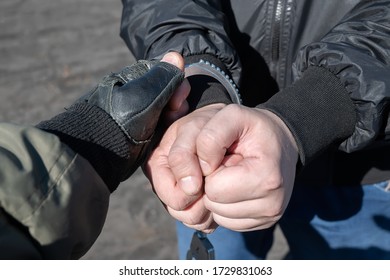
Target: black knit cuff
x=91, y=132
x=318, y=111
x=206, y=90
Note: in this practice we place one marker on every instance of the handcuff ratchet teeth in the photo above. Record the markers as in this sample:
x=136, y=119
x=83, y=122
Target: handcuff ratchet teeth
x=206, y=68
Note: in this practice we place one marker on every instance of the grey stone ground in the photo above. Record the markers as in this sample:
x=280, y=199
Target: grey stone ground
x=50, y=53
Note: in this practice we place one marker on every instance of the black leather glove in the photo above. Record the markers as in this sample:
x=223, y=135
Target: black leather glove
x=113, y=125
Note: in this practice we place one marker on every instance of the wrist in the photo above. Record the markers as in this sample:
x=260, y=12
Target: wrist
x=91, y=132
x=209, y=82
x=290, y=145
x=312, y=109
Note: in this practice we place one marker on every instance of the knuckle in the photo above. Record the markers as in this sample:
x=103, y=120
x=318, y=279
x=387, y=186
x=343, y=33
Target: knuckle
x=208, y=139
x=274, y=181
x=204, y=228
x=178, y=205
x=176, y=201
x=192, y=217
x=233, y=108
x=274, y=213
x=178, y=156
x=234, y=111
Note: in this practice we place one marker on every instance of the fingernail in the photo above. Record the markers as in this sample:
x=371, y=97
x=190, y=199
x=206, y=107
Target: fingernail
x=188, y=185
x=173, y=58
x=205, y=167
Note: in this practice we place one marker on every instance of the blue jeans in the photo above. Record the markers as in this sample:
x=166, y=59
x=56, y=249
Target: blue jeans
x=321, y=222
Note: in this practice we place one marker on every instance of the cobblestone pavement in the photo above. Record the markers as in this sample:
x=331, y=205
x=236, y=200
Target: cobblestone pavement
x=51, y=52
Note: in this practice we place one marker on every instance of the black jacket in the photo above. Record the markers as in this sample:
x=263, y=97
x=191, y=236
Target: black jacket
x=322, y=66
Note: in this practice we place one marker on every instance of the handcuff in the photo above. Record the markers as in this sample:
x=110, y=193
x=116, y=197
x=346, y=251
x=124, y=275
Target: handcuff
x=208, y=69
x=201, y=247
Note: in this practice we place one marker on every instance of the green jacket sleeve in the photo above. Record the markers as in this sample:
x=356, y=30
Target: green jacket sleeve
x=52, y=202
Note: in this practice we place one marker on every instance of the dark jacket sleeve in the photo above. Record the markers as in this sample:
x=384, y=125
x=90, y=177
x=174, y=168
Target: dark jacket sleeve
x=342, y=85
x=152, y=28
x=195, y=29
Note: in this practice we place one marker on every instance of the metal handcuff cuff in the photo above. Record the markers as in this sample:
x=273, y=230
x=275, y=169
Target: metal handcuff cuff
x=208, y=69
x=201, y=247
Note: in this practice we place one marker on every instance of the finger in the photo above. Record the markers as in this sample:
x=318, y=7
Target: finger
x=177, y=106
x=164, y=185
x=184, y=163
x=193, y=218
x=161, y=177
x=195, y=214
x=243, y=225
x=174, y=58
x=208, y=226
x=264, y=209
x=172, y=116
x=249, y=179
x=179, y=96
x=216, y=137
x=212, y=227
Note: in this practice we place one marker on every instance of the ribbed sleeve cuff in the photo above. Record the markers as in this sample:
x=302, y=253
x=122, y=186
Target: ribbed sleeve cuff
x=318, y=111
x=91, y=132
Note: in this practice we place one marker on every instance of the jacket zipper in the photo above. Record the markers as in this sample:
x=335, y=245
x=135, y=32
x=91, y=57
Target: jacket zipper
x=280, y=35
x=277, y=22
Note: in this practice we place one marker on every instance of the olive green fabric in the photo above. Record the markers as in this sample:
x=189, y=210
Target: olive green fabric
x=52, y=202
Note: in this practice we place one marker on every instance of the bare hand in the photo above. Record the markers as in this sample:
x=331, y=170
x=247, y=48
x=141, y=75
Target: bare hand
x=249, y=158
x=174, y=171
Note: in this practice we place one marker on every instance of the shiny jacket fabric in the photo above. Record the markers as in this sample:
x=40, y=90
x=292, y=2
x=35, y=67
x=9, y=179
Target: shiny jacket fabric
x=281, y=48
x=44, y=186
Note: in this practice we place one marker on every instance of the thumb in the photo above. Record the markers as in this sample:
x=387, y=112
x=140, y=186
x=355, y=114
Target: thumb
x=216, y=137
x=175, y=59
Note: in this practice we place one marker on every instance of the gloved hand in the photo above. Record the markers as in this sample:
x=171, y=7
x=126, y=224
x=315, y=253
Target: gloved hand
x=113, y=125
x=136, y=96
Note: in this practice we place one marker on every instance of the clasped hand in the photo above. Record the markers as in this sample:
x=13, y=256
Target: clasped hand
x=226, y=165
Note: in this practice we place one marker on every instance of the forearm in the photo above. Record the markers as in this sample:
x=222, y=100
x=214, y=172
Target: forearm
x=357, y=52
x=197, y=30
x=153, y=28
x=341, y=85
x=51, y=194
x=57, y=177
x=318, y=111
x=91, y=132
